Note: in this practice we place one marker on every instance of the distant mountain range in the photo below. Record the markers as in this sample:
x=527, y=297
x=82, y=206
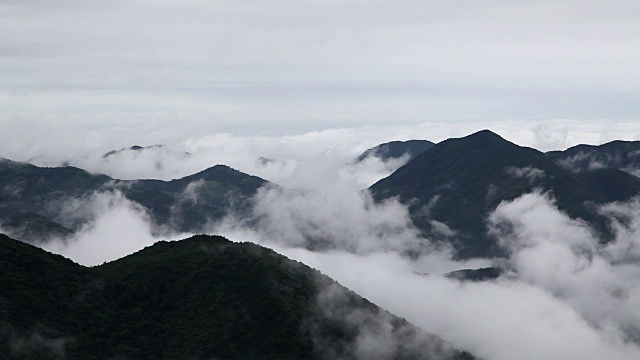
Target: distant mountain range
x=621, y=155
x=206, y=297
x=31, y=197
x=134, y=148
x=459, y=182
x=396, y=150
x=450, y=189
x=200, y=298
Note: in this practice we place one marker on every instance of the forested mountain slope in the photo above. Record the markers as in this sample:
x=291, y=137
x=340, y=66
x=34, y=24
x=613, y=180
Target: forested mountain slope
x=200, y=298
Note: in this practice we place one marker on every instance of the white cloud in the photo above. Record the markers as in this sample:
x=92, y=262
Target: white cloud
x=316, y=152
x=233, y=81
x=532, y=174
x=120, y=228
x=562, y=256
x=507, y=319
x=574, y=298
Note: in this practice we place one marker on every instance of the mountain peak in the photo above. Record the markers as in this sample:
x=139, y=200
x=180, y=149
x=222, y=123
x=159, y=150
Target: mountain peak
x=460, y=173
x=486, y=144
x=485, y=135
x=134, y=148
x=216, y=171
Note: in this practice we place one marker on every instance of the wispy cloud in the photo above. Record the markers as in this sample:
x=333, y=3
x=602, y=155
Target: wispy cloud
x=565, y=293
x=118, y=228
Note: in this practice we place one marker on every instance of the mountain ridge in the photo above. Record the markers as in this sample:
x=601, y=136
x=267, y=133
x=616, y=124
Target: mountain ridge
x=33, y=195
x=202, y=297
x=619, y=154
x=459, y=181
x=396, y=149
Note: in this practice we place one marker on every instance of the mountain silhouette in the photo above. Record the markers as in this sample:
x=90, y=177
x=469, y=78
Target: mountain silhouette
x=32, y=198
x=621, y=155
x=396, y=150
x=200, y=298
x=460, y=181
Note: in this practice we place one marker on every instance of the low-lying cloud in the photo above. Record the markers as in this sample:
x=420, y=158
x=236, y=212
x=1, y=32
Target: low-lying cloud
x=119, y=228
x=565, y=294
x=562, y=256
x=287, y=156
x=377, y=333
x=503, y=319
x=339, y=217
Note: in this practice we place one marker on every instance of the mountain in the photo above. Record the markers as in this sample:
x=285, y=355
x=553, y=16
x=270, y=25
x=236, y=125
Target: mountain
x=396, y=150
x=137, y=149
x=132, y=149
x=187, y=204
x=28, y=192
x=621, y=155
x=33, y=199
x=482, y=274
x=452, y=188
x=200, y=298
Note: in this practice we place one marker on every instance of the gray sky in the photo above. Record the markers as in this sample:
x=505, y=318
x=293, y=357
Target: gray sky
x=281, y=67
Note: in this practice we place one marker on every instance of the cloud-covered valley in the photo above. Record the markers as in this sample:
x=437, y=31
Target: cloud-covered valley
x=564, y=292
x=183, y=153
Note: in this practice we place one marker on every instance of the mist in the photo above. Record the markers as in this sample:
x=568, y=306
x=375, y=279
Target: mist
x=564, y=293
x=117, y=228
x=189, y=147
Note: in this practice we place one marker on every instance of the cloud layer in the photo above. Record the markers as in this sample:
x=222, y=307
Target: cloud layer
x=120, y=227
x=565, y=294
x=281, y=159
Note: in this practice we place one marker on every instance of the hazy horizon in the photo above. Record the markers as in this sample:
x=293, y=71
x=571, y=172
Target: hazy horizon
x=290, y=67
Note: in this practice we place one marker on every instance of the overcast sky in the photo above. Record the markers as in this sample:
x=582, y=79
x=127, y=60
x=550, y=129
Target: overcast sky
x=282, y=67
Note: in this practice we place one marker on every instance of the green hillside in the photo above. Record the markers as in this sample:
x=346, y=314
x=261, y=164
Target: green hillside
x=201, y=298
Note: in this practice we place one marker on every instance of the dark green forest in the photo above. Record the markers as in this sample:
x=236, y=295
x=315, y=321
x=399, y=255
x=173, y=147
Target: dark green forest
x=200, y=298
